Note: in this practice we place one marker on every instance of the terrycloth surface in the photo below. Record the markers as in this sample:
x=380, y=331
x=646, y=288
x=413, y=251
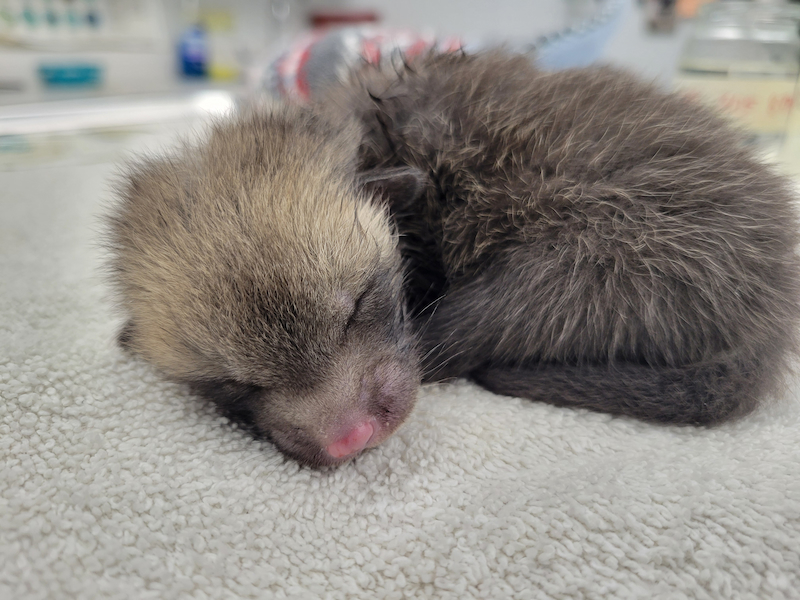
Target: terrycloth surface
x=116, y=484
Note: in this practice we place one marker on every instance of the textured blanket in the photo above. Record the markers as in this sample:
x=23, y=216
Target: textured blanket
x=117, y=484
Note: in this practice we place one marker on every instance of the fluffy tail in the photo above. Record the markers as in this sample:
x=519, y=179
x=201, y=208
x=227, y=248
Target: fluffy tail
x=698, y=394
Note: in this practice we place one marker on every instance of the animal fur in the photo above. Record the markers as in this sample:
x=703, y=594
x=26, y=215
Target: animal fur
x=584, y=239
x=256, y=268
x=576, y=237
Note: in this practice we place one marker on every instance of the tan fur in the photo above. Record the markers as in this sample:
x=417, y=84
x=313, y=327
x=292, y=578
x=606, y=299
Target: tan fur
x=241, y=259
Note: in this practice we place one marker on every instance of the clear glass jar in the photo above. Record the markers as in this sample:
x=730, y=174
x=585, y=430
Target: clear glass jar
x=744, y=58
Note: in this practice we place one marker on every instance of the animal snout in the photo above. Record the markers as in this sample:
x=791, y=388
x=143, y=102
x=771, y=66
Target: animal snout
x=391, y=389
x=385, y=396
x=354, y=440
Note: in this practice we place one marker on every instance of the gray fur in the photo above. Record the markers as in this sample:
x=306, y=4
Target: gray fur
x=585, y=239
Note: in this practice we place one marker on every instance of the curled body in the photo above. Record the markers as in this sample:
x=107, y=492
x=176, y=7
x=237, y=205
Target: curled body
x=577, y=238
x=583, y=238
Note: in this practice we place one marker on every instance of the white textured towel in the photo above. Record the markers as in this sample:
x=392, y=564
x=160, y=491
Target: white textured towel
x=117, y=484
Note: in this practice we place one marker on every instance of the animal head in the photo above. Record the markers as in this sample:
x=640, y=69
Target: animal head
x=261, y=269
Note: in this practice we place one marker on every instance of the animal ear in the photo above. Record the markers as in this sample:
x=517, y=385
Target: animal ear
x=398, y=187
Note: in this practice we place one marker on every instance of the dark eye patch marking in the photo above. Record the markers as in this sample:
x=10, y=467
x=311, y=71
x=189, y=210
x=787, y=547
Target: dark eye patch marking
x=380, y=308
x=234, y=399
x=359, y=305
x=226, y=391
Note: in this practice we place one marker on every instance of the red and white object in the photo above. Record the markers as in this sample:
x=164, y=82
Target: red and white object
x=322, y=57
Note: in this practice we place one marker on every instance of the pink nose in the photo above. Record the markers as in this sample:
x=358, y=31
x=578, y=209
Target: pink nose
x=353, y=441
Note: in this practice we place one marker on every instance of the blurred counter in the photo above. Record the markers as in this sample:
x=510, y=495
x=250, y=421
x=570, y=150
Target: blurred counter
x=99, y=130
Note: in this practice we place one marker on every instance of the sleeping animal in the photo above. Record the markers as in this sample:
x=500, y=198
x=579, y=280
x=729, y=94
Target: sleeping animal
x=575, y=237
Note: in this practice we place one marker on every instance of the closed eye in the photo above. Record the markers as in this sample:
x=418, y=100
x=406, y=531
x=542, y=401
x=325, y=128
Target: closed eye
x=359, y=304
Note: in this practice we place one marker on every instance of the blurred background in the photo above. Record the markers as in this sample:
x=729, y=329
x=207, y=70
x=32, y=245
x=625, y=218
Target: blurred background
x=78, y=78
